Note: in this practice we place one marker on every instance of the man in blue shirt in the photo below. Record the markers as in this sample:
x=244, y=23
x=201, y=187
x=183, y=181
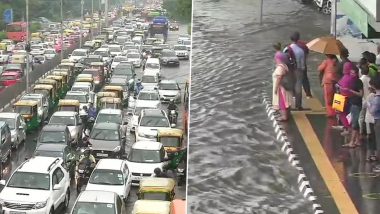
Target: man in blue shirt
x=92, y=111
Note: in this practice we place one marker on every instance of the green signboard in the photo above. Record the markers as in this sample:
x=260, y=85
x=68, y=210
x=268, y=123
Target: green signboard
x=357, y=14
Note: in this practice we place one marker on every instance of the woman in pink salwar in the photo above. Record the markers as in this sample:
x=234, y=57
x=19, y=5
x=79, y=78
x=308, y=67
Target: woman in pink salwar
x=328, y=68
x=281, y=97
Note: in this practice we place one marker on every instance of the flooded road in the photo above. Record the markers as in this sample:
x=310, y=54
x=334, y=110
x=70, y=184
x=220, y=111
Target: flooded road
x=235, y=165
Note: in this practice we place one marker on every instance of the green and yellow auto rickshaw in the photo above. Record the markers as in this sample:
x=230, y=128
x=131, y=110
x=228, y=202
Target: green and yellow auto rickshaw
x=152, y=206
x=69, y=105
x=103, y=94
x=156, y=188
x=66, y=64
x=28, y=109
x=172, y=139
x=64, y=75
x=119, y=92
x=70, y=76
x=110, y=102
x=62, y=86
x=98, y=43
x=53, y=83
x=49, y=91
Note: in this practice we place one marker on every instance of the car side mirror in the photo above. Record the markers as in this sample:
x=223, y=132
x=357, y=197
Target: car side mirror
x=2, y=182
x=56, y=187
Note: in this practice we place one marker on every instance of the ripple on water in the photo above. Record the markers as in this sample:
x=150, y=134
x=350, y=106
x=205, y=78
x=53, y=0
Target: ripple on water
x=235, y=165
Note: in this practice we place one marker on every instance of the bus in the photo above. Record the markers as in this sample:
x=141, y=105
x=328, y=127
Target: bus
x=16, y=31
x=186, y=104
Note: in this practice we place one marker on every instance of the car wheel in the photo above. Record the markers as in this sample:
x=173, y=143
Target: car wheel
x=67, y=200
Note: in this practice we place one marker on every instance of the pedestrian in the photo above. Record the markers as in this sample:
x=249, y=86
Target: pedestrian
x=344, y=54
x=298, y=55
x=277, y=47
x=370, y=123
x=374, y=109
x=281, y=96
x=364, y=70
x=371, y=60
x=346, y=82
x=356, y=102
x=328, y=68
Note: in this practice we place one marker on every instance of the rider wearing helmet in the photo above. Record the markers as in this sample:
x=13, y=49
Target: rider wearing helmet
x=172, y=106
x=159, y=174
x=87, y=158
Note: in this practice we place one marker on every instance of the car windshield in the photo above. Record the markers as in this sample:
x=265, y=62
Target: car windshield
x=13, y=67
x=93, y=208
x=79, y=88
x=170, y=141
x=168, y=54
x=52, y=137
x=33, y=47
x=64, y=120
x=106, y=177
x=89, y=60
x=187, y=42
x=50, y=52
x=114, y=49
x=108, y=118
x=152, y=65
x=148, y=96
x=9, y=121
x=45, y=153
x=23, y=109
x=104, y=134
x=145, y=156
x=151, y=121
x=122, y=71
x=180, y=48
x=149, y=79
x=101, y=53
x=168, y=86
x=80, y=98
x=162, y=196
x=120, y=59
x=78, y=53
x=29, y=180
x=133, y=56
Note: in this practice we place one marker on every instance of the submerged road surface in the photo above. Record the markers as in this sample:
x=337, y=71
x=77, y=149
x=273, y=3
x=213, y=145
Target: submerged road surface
x=235, y=166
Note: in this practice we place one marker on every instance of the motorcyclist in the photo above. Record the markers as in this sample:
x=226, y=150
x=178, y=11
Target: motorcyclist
x=172, y=106
x=92, y=113
x=139, y=87
x=160, y=174
x=87, y=158
x=85, y=142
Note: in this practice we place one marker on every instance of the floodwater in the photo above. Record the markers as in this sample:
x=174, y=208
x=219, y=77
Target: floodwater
x=235, y=165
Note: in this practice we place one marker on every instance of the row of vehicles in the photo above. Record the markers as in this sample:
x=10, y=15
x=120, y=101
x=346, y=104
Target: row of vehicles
x=73, y=90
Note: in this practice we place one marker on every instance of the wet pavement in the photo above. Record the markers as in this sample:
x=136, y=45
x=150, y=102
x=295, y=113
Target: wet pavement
x=180, y=74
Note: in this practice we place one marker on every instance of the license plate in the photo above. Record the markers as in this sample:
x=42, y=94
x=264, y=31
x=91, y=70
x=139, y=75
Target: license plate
x=138, y=178
x=102, y=155
x=16, y=212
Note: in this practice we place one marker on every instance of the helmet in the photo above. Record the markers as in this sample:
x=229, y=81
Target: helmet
x=157, y=171
x=87, y=152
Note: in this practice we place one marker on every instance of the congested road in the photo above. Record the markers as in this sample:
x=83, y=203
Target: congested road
x=180, y=74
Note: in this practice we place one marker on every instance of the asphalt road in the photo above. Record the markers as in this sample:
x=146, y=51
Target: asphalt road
x=181, y=74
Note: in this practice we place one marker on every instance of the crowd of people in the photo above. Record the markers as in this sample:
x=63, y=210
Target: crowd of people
x=358, y=83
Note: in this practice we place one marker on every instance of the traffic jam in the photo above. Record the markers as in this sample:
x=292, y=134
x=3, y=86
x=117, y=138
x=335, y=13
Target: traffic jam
x=104, y=131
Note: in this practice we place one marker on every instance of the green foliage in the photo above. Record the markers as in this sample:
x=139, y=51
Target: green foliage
x=34, y=27
x=179, y=9
x=3, y=35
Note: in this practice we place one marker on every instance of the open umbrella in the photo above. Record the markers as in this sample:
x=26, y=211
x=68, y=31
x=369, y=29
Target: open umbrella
x=326, y=45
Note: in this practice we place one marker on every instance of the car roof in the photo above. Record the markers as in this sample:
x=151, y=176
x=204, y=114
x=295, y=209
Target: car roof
x=147, y=145
x=153, y=60
x=102, y=49
x=153, y=112
x=110, y=111
x=65, y=113
x=84, y=50
x=168, y=81
x=149, y=91
x=151, y=206
x=51, y=147
x=109, y=126
x=76, y=93
x=97, y=196
x=54, y=127
x=38, y=164
x=8, y=114
x=112, y=164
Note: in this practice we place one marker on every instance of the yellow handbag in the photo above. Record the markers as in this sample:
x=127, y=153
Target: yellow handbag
x=339, y=102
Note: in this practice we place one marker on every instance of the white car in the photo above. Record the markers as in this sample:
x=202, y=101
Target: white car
x=150, y=120
x=104, y=202
x=105, y=53
x=71, y=120
x=112, y=116
x=169, y=89
x=78, y=54
x=149, y=98
x=115, y=50
x=152, y=67
x=187, y=43
x=50, y=54
x=117, y=61
x=37, y=49
x=38, y=185
x=17, y=126
x=149, y=82
x=144, y=157
x=181, y=51
x=81, y=96
x=111, y=175
x=134, y=120
x=134, y=58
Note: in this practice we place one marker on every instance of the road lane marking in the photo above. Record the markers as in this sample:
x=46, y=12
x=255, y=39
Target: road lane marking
x=324, y=166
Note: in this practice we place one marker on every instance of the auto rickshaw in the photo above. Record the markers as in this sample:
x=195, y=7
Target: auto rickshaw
x=172, y=139
x=64, y=75
x=178, y=206
x=98, y=43
x=69, y=105
x=156, y=188
x=63, y=88
x=28, y=110
x=103, y=94
x=110, y=102
x=49, y=91
x=118, y=90
x=18, y=59
x=84, y=78
x=67, y=65
x=151, y=206
x=68, y=32
x=68, y=71
x=53, y=83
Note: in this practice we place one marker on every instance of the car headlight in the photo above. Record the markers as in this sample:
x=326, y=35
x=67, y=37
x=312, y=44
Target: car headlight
x=116, y=149
x=40, y=205
x=96, y=82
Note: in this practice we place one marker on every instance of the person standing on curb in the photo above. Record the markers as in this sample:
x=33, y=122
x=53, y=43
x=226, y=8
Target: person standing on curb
x=374, y=109
x=298, y=55
x=344, y=54
x=365, y=79
x=328, y=68
x=370, y=126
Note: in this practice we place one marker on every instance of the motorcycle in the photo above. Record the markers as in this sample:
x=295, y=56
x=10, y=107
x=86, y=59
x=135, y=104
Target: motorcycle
x=83, y=175
x=181, y=173
x=173, y=116
x=324, y=6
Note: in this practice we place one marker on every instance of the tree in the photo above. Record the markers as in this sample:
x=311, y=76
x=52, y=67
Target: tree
x=179, y=9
